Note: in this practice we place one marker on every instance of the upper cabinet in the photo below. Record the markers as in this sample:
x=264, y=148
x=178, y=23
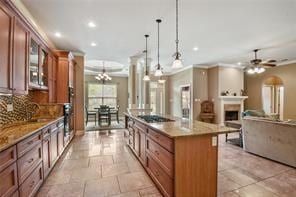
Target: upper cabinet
x=6, y=22
x=20, y=57
x=34, y=63
x=38, y=65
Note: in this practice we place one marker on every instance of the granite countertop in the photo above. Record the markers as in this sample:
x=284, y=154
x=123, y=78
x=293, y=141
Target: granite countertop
x=14, y=133
x=182, y=127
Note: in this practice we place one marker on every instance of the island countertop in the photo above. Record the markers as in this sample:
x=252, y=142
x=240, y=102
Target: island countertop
x=12, y=134
x=180, y=127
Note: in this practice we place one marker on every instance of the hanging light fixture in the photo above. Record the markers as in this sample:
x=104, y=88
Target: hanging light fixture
x=161, y=80
x=158, y=71
x=103, y=76
x=146, y=77
x=177, y=62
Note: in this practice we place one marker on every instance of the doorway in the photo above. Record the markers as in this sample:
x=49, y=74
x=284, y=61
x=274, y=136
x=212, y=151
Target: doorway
x=273, y=97
x=185, y=101
x=157, y=97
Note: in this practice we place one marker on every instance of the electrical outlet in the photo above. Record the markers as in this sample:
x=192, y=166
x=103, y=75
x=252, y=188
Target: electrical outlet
x=214, y=141
x=9, y=107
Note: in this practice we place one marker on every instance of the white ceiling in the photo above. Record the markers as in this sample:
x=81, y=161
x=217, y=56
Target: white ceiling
x=225, y=31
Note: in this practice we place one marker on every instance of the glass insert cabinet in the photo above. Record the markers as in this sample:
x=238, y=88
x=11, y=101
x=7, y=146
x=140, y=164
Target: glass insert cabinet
x=38, y=65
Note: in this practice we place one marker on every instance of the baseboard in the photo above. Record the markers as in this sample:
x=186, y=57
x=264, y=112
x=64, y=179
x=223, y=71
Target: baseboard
x=79, y=132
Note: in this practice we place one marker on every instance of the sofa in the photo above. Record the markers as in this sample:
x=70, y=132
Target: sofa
x=275, y=140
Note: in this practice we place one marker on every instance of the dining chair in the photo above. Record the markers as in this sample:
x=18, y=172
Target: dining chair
x=104, y=114
x=115, y=112
x=90, y=113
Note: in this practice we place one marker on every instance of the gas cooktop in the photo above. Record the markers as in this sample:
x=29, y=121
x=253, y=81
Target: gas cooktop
x=154, y=118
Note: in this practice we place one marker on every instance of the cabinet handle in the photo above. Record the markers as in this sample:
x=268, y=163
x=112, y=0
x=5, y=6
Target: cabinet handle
x=156, y=174
x=31, y=142
x=156, y=152
x=30, y=161
x=32, y=184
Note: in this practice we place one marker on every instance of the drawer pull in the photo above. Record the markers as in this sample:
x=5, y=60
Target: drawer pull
x=31, y=142
x=156, y=152
x=30, y=161
x=156, y=174
x=32, y=184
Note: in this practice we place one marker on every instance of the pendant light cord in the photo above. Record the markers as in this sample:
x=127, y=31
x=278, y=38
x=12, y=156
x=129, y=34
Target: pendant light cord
x=177, y=27
x=146, y=36
x=158, y=65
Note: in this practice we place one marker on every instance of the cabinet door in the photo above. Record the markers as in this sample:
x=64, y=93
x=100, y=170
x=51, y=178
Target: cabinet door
x=5, y=50
x=54, y=146
x=43, y=68
x=20, y=58
x=137, y=142
x=46, y=156
x=8, y=181
x=61, y=139
x=34, y=61
x=142, y=146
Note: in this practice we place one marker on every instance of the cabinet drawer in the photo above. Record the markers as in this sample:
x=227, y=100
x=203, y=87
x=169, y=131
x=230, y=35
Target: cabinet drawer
x=46, y=132
x=15, y=194
x=7, y=157
x=8, y=182
x=27, y=163
x=164, y=182
x=141, y=126
x=164, y=158
x=32, y=183
x=28, y=143
x=164, y=141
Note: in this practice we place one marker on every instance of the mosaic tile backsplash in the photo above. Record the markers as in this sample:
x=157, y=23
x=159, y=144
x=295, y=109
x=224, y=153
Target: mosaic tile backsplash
x=23, y=109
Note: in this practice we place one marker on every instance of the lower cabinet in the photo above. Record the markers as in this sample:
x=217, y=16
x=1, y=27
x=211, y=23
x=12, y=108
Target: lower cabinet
x=8, y=181
x=24, y=166
x=46, y=155
x=32, y=183
x=54, y=145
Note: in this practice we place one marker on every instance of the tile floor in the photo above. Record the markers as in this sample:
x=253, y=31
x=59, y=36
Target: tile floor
x=99, y=164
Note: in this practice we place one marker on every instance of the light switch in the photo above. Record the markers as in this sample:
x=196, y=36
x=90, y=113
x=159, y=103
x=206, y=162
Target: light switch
x=9, y=107
x=214, y=141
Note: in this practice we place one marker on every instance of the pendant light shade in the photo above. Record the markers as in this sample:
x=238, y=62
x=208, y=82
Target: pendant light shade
x=146, y=77
x=158, y=71
x=177, y=62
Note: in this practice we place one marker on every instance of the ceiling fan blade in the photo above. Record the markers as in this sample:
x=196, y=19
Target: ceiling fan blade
x=267, y=65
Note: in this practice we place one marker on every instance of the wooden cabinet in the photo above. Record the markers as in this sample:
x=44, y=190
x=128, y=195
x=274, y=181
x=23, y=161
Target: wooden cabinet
x=32, y=183
x=6, y=23
x=54, y=145
x=179, y=166
x=7, y=157
x=46, y=148
x=8, y=179
x=60, y=139
x=27, y=163
x=20, y=57
x=28, y=143
x=65, y=75
x=52, y=62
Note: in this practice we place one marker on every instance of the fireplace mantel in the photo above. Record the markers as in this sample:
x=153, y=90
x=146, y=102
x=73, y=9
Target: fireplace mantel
x=230, y=100
x=233, y=97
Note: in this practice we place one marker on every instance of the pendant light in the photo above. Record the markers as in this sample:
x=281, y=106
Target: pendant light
x=177, y=62
x=161, y=80
x=146, y=77
x=158, y=71
x=103, y=76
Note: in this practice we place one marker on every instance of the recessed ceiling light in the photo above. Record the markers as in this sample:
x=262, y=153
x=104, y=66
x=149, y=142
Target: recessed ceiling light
x=239, y=63
x=195, y=48
x=93, y=44
x=91, y=24
x=58, y=34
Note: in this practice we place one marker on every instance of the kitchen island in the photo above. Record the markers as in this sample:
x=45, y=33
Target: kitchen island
x=181, y=156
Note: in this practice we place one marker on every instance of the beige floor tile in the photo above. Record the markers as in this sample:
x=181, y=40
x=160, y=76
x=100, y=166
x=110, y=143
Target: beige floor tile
x=100, y=160
x=102, y=187
x=134, y=181
x=240, y=176
x=128, y=194
x=229, y=194
x=225, y=184
x=84, y=174
x=114, y=169
x=58, y=177
x=254, y=190
x=63, y=190
x=150, y=192
x=74, y=164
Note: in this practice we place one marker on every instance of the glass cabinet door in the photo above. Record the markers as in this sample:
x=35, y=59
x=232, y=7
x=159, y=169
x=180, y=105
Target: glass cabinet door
x=43, y=68
x=34, y=66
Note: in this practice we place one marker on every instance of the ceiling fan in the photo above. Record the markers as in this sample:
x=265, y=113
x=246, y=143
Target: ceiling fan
x=258, y=66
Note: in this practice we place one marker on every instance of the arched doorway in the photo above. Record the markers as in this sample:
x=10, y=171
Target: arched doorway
x=273, y=96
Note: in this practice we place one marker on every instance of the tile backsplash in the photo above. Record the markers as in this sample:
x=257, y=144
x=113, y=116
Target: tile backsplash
x=23, y=109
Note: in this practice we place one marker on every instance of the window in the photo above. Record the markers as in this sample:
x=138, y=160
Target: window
x=102, y=94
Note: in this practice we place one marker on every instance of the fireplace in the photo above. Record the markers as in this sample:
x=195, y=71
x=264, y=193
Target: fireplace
x=231, y=115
